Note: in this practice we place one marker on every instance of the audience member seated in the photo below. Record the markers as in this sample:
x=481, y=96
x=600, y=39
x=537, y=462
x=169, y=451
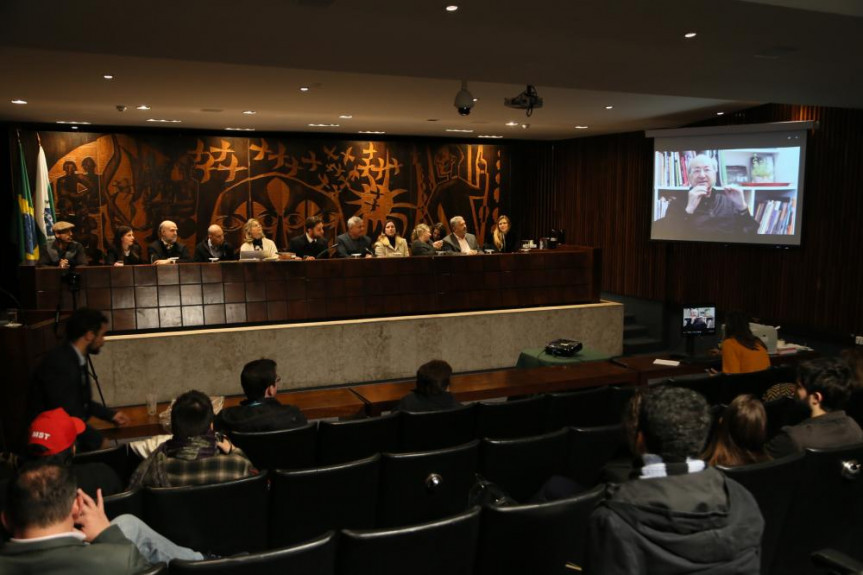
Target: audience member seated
x=57, y=528
x=167, y=250
x=124, y=250
x=63, y=252
x=431, y=392
x=390, y=243
x=679, y=516
x=261, y=410
x=459, y=240
x=354, y=242
x=824, y=385
x=52, y=438
x=742, y=351
x=311, y=244
x=254, y=242
x=421, y=244
x=502, y=238
x=741, y=434
x=215, y=247
x=195, y=455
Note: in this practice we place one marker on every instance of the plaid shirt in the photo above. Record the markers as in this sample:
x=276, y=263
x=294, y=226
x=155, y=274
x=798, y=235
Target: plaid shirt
x=215, y=469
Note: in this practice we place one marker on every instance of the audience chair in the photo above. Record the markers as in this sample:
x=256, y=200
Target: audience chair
x=156, y=569
x=127, y=502
x=221, y=518
x=709, y=386
x=315, y=557
x=774, y=486
x=437, y=429
x=509, y=419
x=585, y=408
x=538, y=539
x=121, y=459
x=827, y=510
x=782, y=412
x=418, y=487
x=591, y=448
x=837, y=563
x=306, y=503
x=447, y=546
x=343, y=441
x=521, y=466
x=283, y=449
x=755, y=383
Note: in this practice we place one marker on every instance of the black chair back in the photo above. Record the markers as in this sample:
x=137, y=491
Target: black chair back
x=827, y=510
x=222, y=518
x=590, y=448
x=284, y=449
x=781, y=412
x=710, y=386
x=418, y=487
x=538, y=539
x=584, y=408
x=774, y=486
x=306, y=503
x=121, y=459
x=521, y=466
x=447, y=546
x=437, y=429
x=127, y=502
x=755, y=383
x=508, y=419
x=315, y=557
x=155, y=569
x=343, y=441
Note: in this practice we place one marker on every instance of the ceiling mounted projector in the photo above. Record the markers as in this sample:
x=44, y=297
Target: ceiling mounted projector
x=527, y=100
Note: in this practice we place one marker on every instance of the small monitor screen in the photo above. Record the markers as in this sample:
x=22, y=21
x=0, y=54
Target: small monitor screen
x=699, y=320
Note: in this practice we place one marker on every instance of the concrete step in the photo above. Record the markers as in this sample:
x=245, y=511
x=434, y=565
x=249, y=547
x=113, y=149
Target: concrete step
x=644, y=344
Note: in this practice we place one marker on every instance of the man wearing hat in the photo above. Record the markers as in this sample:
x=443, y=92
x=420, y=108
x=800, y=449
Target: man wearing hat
x=63, y=252
x=52, y=438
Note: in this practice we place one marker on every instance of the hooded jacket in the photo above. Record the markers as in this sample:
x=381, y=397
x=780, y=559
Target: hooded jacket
x=701, y=523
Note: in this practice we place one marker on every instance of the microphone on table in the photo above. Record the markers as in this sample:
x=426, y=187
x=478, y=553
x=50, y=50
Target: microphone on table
x=326, y=251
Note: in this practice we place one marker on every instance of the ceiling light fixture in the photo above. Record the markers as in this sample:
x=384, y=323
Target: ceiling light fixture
x=345, y=117
x=459, y=130
x=370, y=132
x=581, y=127
x=720, y=113
x=143, y=107
x=73, y=122
x=249, y=112
x=108, y=76
x=240, y=129
x=512, y=124
x=690, y=35
x=452, y=8
x=489, y=136
x=74, y=127
x=323, y=125
x=164, y=121
x=19, y=102
x=304, y=89
x=609, y=107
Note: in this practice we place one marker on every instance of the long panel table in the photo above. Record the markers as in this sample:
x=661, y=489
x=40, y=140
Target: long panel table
x=146, y=297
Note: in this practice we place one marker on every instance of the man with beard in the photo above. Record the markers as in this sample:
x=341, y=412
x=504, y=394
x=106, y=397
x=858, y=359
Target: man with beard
x=167, y=250
x=824, y=386
x=311, y=244
x=63, y=378
x=63, y=252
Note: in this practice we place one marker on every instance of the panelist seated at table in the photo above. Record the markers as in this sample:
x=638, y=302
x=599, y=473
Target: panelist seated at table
x=390, y=243
x=459, y=240
x=354, y=243
x=123, y=250
x=63, y=252
x=503, y=240
x=311, y=245
x=167, y=250
x=431, y=393
x=255, y=245
x=215, y=247
x=422, y=244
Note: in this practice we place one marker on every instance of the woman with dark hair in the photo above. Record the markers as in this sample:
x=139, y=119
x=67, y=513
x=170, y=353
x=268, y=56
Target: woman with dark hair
x=390, y=243
x=741, y=434
x=124, y=250
x=431, y=391
x=742, y=351
x=438, y=233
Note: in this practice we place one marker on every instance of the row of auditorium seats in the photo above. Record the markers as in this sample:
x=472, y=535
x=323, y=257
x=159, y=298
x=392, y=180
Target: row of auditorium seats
x=282, y=507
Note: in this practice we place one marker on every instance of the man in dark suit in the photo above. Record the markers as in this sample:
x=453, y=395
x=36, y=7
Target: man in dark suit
x=459, y=240
x=63, y=379
x=311, y=244
x=355, y=241
x=167, y=250
x=215, y=246
x=824, y=385
x=42, y=510
x=63, y=252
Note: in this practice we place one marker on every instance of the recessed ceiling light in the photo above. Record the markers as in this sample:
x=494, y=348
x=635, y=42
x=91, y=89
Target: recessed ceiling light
x=74, y=127
x=345, y=117
x=459, y=130
x=720, y=113
x=143, y=107
x=525, y=126
x=370, y=132
x=609, y=107
x=240, y=129
x=19, y=102
x=73, y=122
x=581, y=127
x=451, y=8
x=489, y=136
x=512, y=124
x=249, y=112
x=304, y=89
x=164, y=121
x=108, y=76
x=690, y=35
x=476, y=99
x=323, y=125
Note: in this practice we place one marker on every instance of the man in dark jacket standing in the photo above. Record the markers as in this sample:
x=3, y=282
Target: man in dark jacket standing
x=261, y=410
x=678, y=516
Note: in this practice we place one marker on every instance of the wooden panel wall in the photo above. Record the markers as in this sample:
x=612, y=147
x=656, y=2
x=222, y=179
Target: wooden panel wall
x=599, y=190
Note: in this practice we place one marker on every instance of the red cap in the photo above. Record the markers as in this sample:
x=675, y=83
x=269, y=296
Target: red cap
x=55, y=430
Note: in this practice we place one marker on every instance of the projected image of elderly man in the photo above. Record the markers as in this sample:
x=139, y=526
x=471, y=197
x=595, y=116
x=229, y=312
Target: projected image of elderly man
x=709, y=210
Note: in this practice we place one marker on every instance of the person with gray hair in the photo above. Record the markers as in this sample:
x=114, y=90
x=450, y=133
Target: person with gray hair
x=354, y=241
x=167, y=250
x=215, y=247
x=459, y=241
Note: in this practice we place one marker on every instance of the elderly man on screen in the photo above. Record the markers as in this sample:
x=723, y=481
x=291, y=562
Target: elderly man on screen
x=459, y=240
x=167, y=250
x=354, y=241
x=709, y=210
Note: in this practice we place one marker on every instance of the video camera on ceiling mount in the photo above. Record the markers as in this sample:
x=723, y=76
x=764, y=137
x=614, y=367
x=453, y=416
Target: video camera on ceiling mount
x=527, y=100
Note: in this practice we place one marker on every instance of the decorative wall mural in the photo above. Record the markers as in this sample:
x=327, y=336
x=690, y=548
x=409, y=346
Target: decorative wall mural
x=102, y=181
